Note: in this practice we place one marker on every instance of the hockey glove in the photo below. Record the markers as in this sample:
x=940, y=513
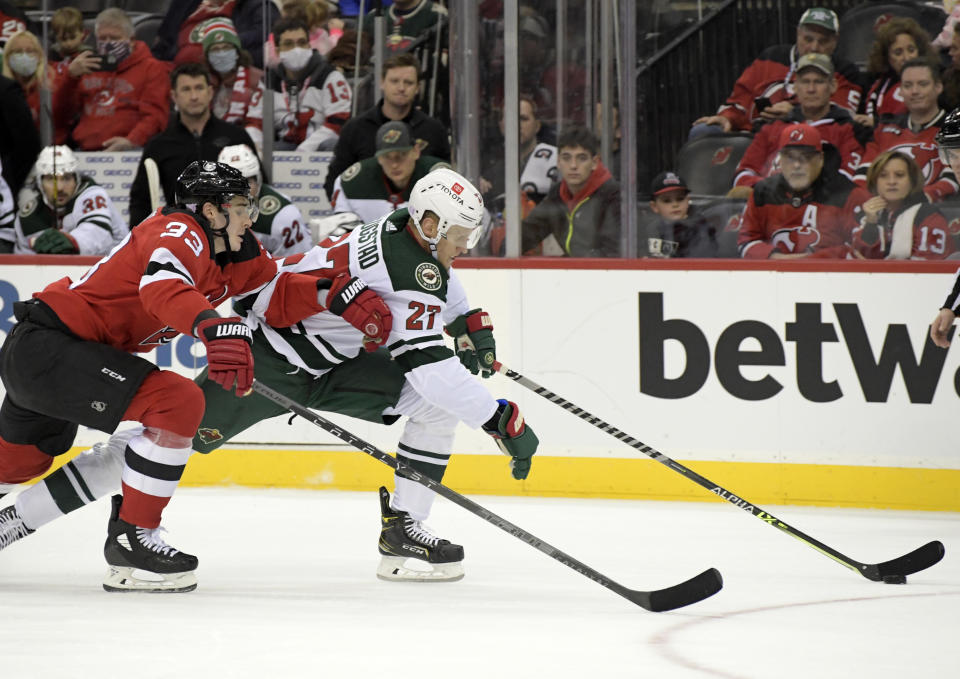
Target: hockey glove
x=513, y=436
x=473, y=334
x=55, y=242
x=351, y=299
x=229, y=359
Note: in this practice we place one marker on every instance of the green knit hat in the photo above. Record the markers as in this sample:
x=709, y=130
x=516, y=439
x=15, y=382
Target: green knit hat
x=215, y=31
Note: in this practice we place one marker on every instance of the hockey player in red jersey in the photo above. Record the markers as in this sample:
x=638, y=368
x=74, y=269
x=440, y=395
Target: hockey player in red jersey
x=68, y=360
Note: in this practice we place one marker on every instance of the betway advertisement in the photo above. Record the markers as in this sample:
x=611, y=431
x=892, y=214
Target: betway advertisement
x=806, y=367
x=797, y=366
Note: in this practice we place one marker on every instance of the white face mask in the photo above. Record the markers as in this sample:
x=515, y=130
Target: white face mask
x=23, y=64
x=223, y=61
x=296, y=58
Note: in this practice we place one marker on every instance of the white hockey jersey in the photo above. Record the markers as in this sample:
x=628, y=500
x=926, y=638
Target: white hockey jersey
x=89, y=217
x=422, y=296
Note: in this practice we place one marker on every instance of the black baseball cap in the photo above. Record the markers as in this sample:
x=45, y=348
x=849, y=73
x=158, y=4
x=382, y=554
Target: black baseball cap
x=666, y=182
x=394, y=136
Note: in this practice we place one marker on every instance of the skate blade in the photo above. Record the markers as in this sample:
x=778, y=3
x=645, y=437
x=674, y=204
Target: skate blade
x=403, y=569
x=123, y=579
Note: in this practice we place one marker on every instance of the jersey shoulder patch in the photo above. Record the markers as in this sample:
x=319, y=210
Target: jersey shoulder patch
x=427, y=275
x=350, y=172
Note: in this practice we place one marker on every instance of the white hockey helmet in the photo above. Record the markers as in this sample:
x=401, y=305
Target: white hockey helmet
x=452, y=198
x=241, y=157
x=58, y=161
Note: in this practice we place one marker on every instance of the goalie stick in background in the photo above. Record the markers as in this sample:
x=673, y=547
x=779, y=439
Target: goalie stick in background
x=68, y=362
x=406, y=258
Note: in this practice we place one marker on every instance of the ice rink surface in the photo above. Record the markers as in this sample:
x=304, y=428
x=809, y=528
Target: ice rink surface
x=287, y=589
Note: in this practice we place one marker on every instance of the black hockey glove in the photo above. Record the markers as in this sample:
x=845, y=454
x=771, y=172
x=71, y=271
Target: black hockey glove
x=473, y=334
x=513, y=436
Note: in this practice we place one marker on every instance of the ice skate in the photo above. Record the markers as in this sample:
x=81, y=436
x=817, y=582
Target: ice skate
x=411, y=552
x=12, y=527
x=133, y=552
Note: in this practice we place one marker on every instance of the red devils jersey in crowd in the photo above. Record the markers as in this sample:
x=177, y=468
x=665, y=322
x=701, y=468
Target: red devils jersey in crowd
x=939, y=180
x=884, y=100
x=771, y=75
x=820, y=220
x=760, y=159
x=155, y=283
x=917, y=230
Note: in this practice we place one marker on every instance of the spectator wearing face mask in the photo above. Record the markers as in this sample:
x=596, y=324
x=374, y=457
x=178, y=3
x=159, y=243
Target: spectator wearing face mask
x=310, y=97
x=118, y=96
x=236, y=81
x=178, y=39
x=23, y=62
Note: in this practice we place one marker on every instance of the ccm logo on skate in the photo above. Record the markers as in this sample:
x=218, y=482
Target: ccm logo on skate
x=116, y=376
x=875, y=368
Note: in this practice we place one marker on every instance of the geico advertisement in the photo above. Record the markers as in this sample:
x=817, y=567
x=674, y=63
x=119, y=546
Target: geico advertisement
x=748, y=365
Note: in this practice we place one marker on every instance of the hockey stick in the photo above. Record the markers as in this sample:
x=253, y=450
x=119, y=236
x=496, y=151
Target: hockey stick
x=894, y=571
x=153, y=182
x=696, y=589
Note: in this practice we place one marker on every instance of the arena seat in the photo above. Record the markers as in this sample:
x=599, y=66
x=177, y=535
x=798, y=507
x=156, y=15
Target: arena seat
x=708, y=164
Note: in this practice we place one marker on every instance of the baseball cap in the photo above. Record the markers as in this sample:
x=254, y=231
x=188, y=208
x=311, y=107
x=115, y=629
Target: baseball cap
x=822, y=17
x=801, y=135
x=217, y=30
x=393, y=136
x=821, y=62
x=666, y=182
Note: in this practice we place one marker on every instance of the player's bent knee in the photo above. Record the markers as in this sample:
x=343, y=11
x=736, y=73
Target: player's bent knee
x=21, y=462
x=174, y=405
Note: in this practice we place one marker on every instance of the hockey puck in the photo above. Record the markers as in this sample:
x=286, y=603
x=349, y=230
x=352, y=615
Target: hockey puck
x=895, y=579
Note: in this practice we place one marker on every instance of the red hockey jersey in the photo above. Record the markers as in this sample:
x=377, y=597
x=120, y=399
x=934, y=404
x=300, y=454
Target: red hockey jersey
x=771, y=75
x=820, y=220
x=939, y=180
x=760, y=159
x=154, y=284
x=884, y=100
x=918, y=230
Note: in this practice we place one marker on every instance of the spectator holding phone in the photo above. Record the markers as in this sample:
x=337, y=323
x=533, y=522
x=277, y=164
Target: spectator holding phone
x=118, y=96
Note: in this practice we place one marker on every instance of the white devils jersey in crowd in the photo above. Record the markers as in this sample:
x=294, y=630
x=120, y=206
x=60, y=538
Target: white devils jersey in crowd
x=422, y=297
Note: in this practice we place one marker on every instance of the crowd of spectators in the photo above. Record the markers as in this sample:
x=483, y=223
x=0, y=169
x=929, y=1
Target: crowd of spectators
x=833, y=148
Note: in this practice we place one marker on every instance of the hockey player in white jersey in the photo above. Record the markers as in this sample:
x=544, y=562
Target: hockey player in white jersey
x=406, y=258
x=63, y=211
x=280, y=227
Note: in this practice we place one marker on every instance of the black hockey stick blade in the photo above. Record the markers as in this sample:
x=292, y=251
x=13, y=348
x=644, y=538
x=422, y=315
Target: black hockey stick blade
x=693, y=590
x=917, y=560
x=914, y=562
x=696, y=589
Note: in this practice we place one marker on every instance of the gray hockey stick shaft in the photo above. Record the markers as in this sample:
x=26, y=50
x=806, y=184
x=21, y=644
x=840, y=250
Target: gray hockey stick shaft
x=696, y=589
x=917, y=560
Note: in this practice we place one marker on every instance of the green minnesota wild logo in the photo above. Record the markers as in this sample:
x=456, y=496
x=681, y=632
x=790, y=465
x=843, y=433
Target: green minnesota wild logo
x=208, y=436
x=428, y=276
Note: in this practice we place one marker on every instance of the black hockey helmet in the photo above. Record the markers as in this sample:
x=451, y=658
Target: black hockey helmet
x=949, y=135
x=209, y=181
